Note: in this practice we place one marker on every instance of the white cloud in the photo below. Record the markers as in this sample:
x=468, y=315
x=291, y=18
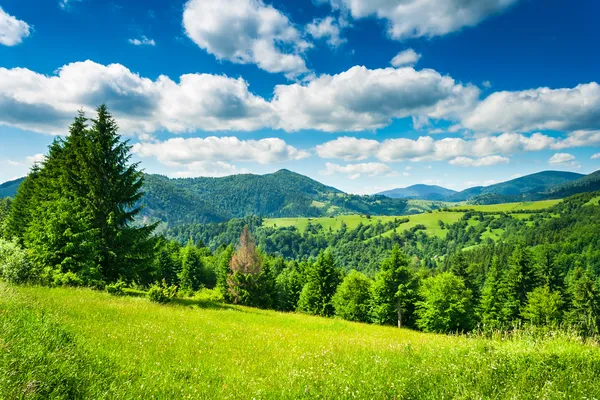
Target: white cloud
x=487, y=84
x=180, y=151
x=479, y=162
x=12, y=30
x=355, y=171
x=326, y=28
x=538, y=109
x=418, y=18
x=427, y=148
x=28, y=161
x=66, y=4
x=361, y=98
x=47, y=104
x=207, y=168
x=405, y=58
x=561, y=158
x=595, y=156
x=246, y=32
x=142, y=41
x=348, y=148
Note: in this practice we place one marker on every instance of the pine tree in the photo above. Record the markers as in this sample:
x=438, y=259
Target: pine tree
x=394, y=291
x=289, y=284
x=20, y=215
x=192, y=268
x=322, y=279
x=113, y=188
x=244, y=281
x=520, y=280
x=490, y=308
x=585, y=302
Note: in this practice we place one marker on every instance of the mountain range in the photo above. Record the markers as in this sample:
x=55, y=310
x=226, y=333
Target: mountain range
x=289, y=194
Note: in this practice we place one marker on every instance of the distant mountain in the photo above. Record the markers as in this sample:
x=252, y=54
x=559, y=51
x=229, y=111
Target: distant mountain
x=421, y=192
x=515, y=189
x=587, y=183
x=281, y=194
x=9, y=189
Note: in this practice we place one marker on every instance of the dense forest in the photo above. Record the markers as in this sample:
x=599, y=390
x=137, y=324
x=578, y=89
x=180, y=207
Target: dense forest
x=73, y=223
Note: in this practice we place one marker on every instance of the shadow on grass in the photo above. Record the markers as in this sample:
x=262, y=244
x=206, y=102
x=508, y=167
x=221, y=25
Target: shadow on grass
x=207, y=305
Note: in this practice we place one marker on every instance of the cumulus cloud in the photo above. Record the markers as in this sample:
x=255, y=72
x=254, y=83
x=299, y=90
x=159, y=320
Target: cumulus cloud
x=47, y=104
x=246, y=32
x=427, y=148
x=12, y=30
x=538, y=109
x=561, y=158
x=348, y=148
x=207, y=168
x=326, y=28
x=424, y=18
x=595, y=156
x=180, y=151
x=355, y=171
x=408, y=57
x=142, y=41
x=479, y=162
x=29, y=160
x=361, y=98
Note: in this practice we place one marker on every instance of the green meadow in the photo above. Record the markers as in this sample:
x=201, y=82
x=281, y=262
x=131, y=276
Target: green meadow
x=428, y=219
x=80, y=343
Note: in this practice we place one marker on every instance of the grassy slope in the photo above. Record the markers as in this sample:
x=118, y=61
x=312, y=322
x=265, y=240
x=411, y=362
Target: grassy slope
x=130, y=348
x=430, y=220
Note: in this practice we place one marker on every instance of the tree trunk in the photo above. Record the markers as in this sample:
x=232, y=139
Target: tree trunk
x=399, y=309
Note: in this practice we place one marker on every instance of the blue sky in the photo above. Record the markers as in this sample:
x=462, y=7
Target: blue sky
x=363, y=95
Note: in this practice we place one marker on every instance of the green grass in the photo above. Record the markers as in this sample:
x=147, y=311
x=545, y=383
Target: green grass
x=508, y=207
x=594, y=201
x=430, y=220
x=78, y=343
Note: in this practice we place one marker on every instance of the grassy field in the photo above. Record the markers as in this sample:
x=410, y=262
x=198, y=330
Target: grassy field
x=78, y=343
x=508, y=207
x=429, y=220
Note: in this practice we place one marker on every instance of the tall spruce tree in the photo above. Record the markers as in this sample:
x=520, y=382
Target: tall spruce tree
x=585, y=302
x=76, y=211
x=20, y=214
x=114, y=189
x=519, y=281
x=394, y=291
x=192, y=268
x=490, y=308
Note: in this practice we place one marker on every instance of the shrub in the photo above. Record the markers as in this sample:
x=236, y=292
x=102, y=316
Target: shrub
x=212, y=295
x=67, y=279
x=116, y=289
x=162, y=293
x=15, y=266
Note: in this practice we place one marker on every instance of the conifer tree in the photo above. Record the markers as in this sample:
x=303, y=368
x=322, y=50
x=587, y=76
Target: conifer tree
x=113, y=187
x=192, y=268
x=244, y=281
x=394, y=291
x=322, y=279
x=519, y=281
x=490, y=308
x=20, y=214
x=585, y=302
x=289, y=284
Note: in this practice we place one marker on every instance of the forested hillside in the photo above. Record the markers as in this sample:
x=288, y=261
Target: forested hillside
x=525, y=187
x=281, y=194
x=9, y=189
x=422, y=192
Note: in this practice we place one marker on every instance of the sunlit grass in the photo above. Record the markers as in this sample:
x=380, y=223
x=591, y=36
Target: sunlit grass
x=138, y=349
